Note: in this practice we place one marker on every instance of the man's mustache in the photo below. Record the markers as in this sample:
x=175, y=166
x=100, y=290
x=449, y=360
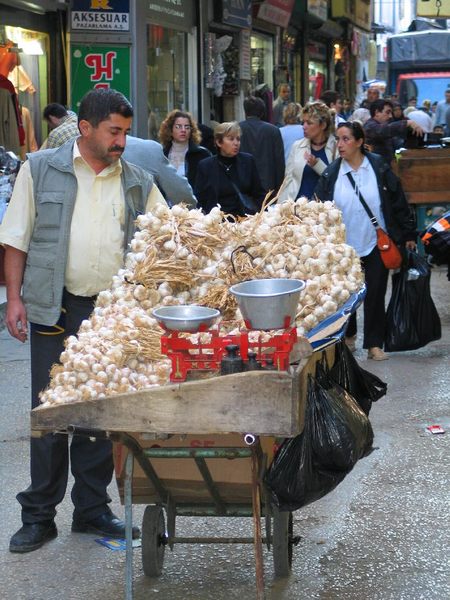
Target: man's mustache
x=116, y=149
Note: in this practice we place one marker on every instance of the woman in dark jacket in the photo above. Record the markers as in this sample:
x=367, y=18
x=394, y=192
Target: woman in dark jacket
x=180, y=138
x=230, y=178
x=382, y=191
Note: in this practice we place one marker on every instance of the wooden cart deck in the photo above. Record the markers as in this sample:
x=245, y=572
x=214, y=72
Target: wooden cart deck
x=260, y=402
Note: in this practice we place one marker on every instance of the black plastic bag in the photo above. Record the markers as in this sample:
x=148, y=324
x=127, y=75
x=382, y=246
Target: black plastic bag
x=412, y=320
x=362, y=385
x=336, y=434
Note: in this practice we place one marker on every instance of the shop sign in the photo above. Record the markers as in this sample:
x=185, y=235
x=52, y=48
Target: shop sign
x=362, y=14
x=100, y=15
x=317, y=51
x=277, y=12
x=99, y=67
x=235, y=12
x=318, y=8
x=245, y=55
x=179, y=13
x=439, y=9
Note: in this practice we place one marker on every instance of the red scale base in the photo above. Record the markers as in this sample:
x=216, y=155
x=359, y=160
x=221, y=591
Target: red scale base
x=187, y=356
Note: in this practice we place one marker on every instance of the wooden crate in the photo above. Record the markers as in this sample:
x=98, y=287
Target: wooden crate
x=425, y=175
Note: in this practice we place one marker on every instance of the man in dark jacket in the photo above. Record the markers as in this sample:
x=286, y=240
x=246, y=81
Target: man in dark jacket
x=380, y=129
x=264, y=142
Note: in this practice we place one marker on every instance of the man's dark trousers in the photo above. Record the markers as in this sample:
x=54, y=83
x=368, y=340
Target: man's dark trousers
x=91, y=462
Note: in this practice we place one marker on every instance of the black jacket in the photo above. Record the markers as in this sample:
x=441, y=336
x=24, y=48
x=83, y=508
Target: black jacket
x=265, y=143
x=398, y=215
x=381, y=136
x=193, y=156
x=208, y=189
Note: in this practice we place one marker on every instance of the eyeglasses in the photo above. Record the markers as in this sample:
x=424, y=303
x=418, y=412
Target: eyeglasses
x=179, y=126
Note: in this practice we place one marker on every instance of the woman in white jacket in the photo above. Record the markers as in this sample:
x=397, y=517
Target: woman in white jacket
x=311, y=155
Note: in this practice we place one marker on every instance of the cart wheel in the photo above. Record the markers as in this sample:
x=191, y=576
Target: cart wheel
x=282, y=542
x=154, y=541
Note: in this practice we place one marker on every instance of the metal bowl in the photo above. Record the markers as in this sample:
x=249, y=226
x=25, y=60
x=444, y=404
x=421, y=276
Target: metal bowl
x=268, y=303
x=188, y=317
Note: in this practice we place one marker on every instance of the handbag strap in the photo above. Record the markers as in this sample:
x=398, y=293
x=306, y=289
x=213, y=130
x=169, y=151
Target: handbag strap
x=372, y=217
x=235, y=187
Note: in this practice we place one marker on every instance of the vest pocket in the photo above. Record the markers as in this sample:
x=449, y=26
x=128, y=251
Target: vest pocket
x=38, y=284
x=49, y=206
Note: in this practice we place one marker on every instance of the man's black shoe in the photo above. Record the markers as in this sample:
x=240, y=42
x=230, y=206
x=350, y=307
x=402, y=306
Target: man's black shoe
x=107, y=524
x=32, y=536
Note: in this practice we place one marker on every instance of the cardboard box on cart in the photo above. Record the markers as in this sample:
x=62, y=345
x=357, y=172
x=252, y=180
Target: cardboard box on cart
x=181, y=476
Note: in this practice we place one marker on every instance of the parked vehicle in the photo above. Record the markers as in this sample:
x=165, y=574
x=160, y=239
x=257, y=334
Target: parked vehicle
x=419, y=65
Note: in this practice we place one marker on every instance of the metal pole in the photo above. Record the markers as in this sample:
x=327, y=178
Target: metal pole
x=256, y=501
x=129, y=526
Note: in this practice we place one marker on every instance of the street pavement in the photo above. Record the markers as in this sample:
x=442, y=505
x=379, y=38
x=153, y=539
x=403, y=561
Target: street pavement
x=382, y=534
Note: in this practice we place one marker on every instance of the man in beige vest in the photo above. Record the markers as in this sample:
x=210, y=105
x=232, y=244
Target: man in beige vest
x=69, y=221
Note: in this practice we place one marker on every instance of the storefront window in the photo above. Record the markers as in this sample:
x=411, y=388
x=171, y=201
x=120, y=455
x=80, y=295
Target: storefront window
x=318, y=70
x=261, y=53
x=317, y=78
x=167, y=79
x=30, y=78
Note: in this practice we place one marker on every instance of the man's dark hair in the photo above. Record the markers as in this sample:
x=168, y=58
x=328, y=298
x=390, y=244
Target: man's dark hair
x=378, y=106
x=254, y=107
x=54, y=110
x=329, y=97
x=100, y=103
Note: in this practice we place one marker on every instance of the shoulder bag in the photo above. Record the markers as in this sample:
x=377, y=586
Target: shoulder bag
x=389, y=252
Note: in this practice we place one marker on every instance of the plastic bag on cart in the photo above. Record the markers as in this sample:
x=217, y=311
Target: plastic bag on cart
x=412, y=320
x=336, y=434
x=362, y=385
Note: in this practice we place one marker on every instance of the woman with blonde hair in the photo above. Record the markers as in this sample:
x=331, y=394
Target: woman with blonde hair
x=180, y=139
x=229, y=178
x=309, y=156
x=293, y=129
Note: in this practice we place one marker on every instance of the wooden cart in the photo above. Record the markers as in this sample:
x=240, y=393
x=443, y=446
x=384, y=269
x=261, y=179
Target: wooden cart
x=198, y=448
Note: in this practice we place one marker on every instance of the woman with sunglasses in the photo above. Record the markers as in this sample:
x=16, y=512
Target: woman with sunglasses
x=180, y=138
x=309, y=156
x=381, y=189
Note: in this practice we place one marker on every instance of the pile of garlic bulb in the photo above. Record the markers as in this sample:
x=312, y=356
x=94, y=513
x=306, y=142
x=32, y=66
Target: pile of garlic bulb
x=181, y=256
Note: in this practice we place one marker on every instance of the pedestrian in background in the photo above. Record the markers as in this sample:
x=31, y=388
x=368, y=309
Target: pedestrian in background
x=441, y=109
x=380, y=130
x=282, y=100
x=264, y=142
x=293, y=129
x=360, y=114
x=63, y=125
x=373, y=94
x=334, y=102
x=149, y=155
x=69, y=222
x=309, y=156
x=383, y=193
x=229, y=178
x=347, y=108
x=180, y=139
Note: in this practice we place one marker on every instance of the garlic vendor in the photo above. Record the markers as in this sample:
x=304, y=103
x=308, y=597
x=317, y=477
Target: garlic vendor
x=70, y=219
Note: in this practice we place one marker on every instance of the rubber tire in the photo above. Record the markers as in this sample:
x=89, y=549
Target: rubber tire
x=282, y=542
x=153, y=547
